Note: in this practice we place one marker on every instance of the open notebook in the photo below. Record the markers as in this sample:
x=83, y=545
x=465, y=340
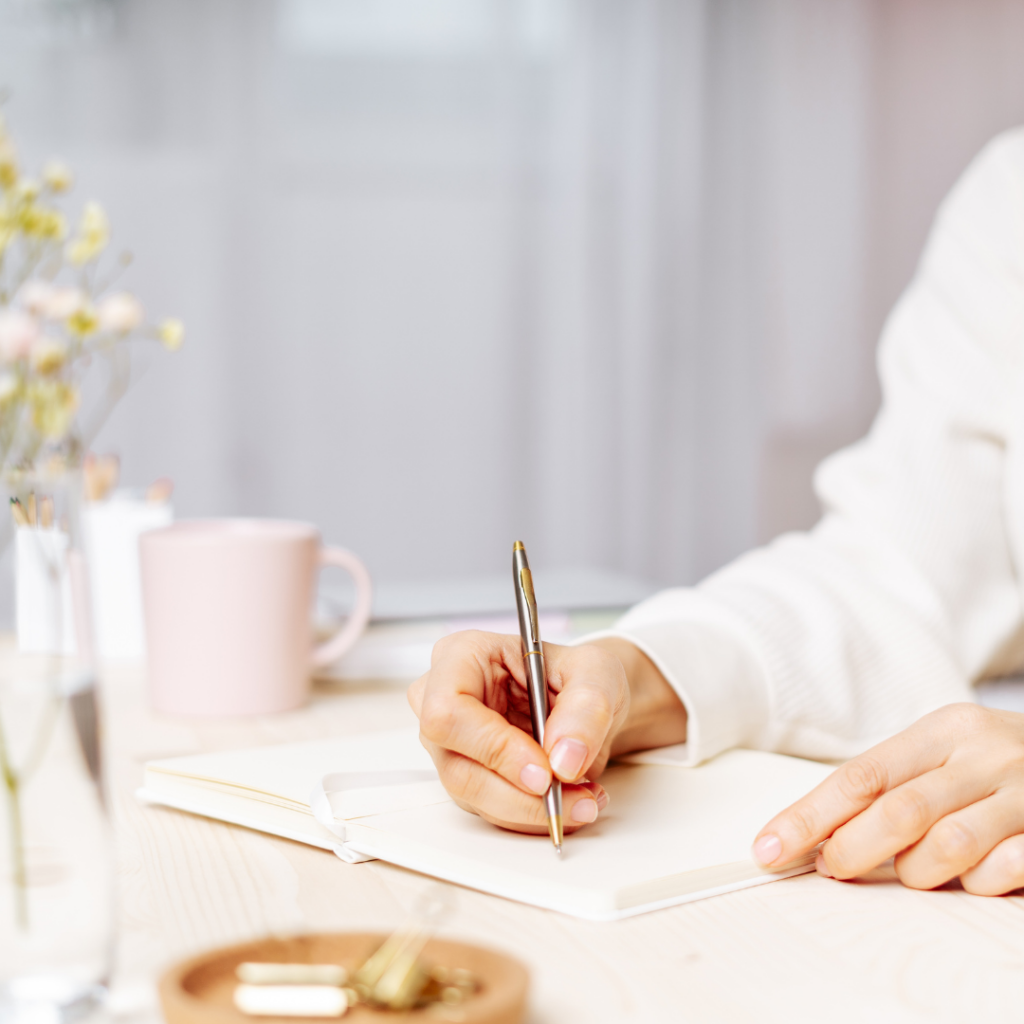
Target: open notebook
x=669, y=835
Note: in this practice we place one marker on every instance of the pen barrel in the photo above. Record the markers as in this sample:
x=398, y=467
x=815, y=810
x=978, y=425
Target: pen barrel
x=537, y=685
x=553, y=802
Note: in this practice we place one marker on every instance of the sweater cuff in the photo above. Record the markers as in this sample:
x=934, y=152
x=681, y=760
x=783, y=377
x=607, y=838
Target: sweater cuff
x=710, y=662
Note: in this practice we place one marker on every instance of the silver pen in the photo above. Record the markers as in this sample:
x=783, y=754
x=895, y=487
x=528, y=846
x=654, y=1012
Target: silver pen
x=536, y=678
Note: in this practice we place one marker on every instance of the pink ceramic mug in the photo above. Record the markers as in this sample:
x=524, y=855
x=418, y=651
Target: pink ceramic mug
x=228, y=614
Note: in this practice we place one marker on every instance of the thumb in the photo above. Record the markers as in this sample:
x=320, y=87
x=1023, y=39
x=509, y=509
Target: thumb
x=591, y=703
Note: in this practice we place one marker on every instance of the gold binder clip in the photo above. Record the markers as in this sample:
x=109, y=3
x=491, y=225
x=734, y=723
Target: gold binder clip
x=393, y=976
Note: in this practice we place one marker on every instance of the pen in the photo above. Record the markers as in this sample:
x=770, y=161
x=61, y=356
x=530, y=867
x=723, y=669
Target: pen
x=536, y=678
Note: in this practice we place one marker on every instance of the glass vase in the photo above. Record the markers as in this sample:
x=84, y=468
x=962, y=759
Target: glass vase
x=56, y=873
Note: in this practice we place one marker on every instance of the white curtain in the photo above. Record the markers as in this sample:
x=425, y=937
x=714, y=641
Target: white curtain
x=606, y=275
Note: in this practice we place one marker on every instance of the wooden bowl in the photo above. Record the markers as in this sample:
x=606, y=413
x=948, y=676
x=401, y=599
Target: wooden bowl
x=200, y=990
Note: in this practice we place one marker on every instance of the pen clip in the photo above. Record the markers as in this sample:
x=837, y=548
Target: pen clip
x=526, y=583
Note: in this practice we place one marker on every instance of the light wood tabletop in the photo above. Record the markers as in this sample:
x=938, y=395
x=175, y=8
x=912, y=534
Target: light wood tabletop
x=801, y=949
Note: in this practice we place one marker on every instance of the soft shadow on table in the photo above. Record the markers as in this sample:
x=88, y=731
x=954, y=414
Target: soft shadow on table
x=885, y=874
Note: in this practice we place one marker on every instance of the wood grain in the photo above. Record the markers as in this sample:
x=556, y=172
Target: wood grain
x=802, y=949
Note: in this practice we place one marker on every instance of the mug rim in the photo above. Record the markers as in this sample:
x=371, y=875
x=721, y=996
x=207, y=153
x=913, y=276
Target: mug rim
x=231, y=529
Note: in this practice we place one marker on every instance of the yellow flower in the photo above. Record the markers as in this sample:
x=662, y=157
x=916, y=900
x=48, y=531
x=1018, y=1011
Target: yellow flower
x=27, y=189
x=42, y=222
x=48, y=355
x=171, y=334
x=57, y=176
x=7, y=231
x=54, y=225
x=24, y=217
x=53, y=404
x=8, y=162
x=94, y=223
x=93, y=235
x=83, y=321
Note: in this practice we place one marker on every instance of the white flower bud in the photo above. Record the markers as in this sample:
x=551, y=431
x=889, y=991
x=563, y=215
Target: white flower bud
x=120, y=313
x=18, y=332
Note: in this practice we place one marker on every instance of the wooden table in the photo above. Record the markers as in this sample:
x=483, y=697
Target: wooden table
x=802, y=949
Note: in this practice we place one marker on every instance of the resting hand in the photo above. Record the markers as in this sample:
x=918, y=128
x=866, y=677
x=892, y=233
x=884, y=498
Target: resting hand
x=945, y=797
x=475, y=722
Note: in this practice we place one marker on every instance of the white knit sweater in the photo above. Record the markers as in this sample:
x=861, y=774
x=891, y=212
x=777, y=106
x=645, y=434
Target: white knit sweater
x=908, y=590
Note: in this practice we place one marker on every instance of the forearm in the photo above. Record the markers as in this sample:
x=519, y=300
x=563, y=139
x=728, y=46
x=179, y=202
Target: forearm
x=656, y=715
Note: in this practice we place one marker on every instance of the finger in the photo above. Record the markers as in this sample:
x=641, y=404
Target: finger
x=851, y=788
x=953, y=845
x=1000, y=871
x=483, y=792
x=477, y=663
x=899, y=819
x=462, y=725
x=454, y=713
x=415, y=694
x=592, y=699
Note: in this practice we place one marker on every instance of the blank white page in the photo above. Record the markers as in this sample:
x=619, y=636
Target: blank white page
x=661, y=823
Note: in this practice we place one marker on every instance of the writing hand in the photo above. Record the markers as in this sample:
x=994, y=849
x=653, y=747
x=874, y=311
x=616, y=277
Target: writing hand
x=475, y=722
x=945, y=797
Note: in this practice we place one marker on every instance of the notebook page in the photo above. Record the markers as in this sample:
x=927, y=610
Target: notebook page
x=662, y=823
x=289, y=771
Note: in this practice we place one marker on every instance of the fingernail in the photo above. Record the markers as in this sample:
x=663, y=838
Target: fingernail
x=535, y=779
x=819, y=866
x=567, y=759
x=602, y=799
x=585, y=811
x=767, y=849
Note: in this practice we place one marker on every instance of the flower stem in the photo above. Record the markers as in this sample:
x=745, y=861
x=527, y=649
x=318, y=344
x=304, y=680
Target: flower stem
x=18, y=873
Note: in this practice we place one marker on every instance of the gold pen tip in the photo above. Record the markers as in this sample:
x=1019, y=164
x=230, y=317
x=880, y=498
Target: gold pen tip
x=555, y=828
x=518, y=546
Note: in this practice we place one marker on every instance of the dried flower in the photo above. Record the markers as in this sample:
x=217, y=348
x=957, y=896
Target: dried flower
x=42, y=222
x=64, y=303
x=9, y=387
x=171, y=334
x=18, y=332
x=53, y=404
x=8, y=228
x=48, y=355
x=51, y=334
x=121, y=312
x=83, y=321
x=57, y=176
x=35, y=296
x=93, y=235
x=8, y=161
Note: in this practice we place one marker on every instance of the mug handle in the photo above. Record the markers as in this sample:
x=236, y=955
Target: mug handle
x=331, y=650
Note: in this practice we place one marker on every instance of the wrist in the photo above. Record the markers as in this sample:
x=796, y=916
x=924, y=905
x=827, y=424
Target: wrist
x=657, y=717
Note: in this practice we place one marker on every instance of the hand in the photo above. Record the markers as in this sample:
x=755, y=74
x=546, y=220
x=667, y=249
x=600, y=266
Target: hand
x=475, y=722
x=945, y=797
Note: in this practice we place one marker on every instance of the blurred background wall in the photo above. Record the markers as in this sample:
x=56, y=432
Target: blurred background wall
x=606, y=275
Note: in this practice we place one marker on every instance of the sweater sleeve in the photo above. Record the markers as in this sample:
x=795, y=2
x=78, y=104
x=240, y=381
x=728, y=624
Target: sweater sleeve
x=906, y=591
